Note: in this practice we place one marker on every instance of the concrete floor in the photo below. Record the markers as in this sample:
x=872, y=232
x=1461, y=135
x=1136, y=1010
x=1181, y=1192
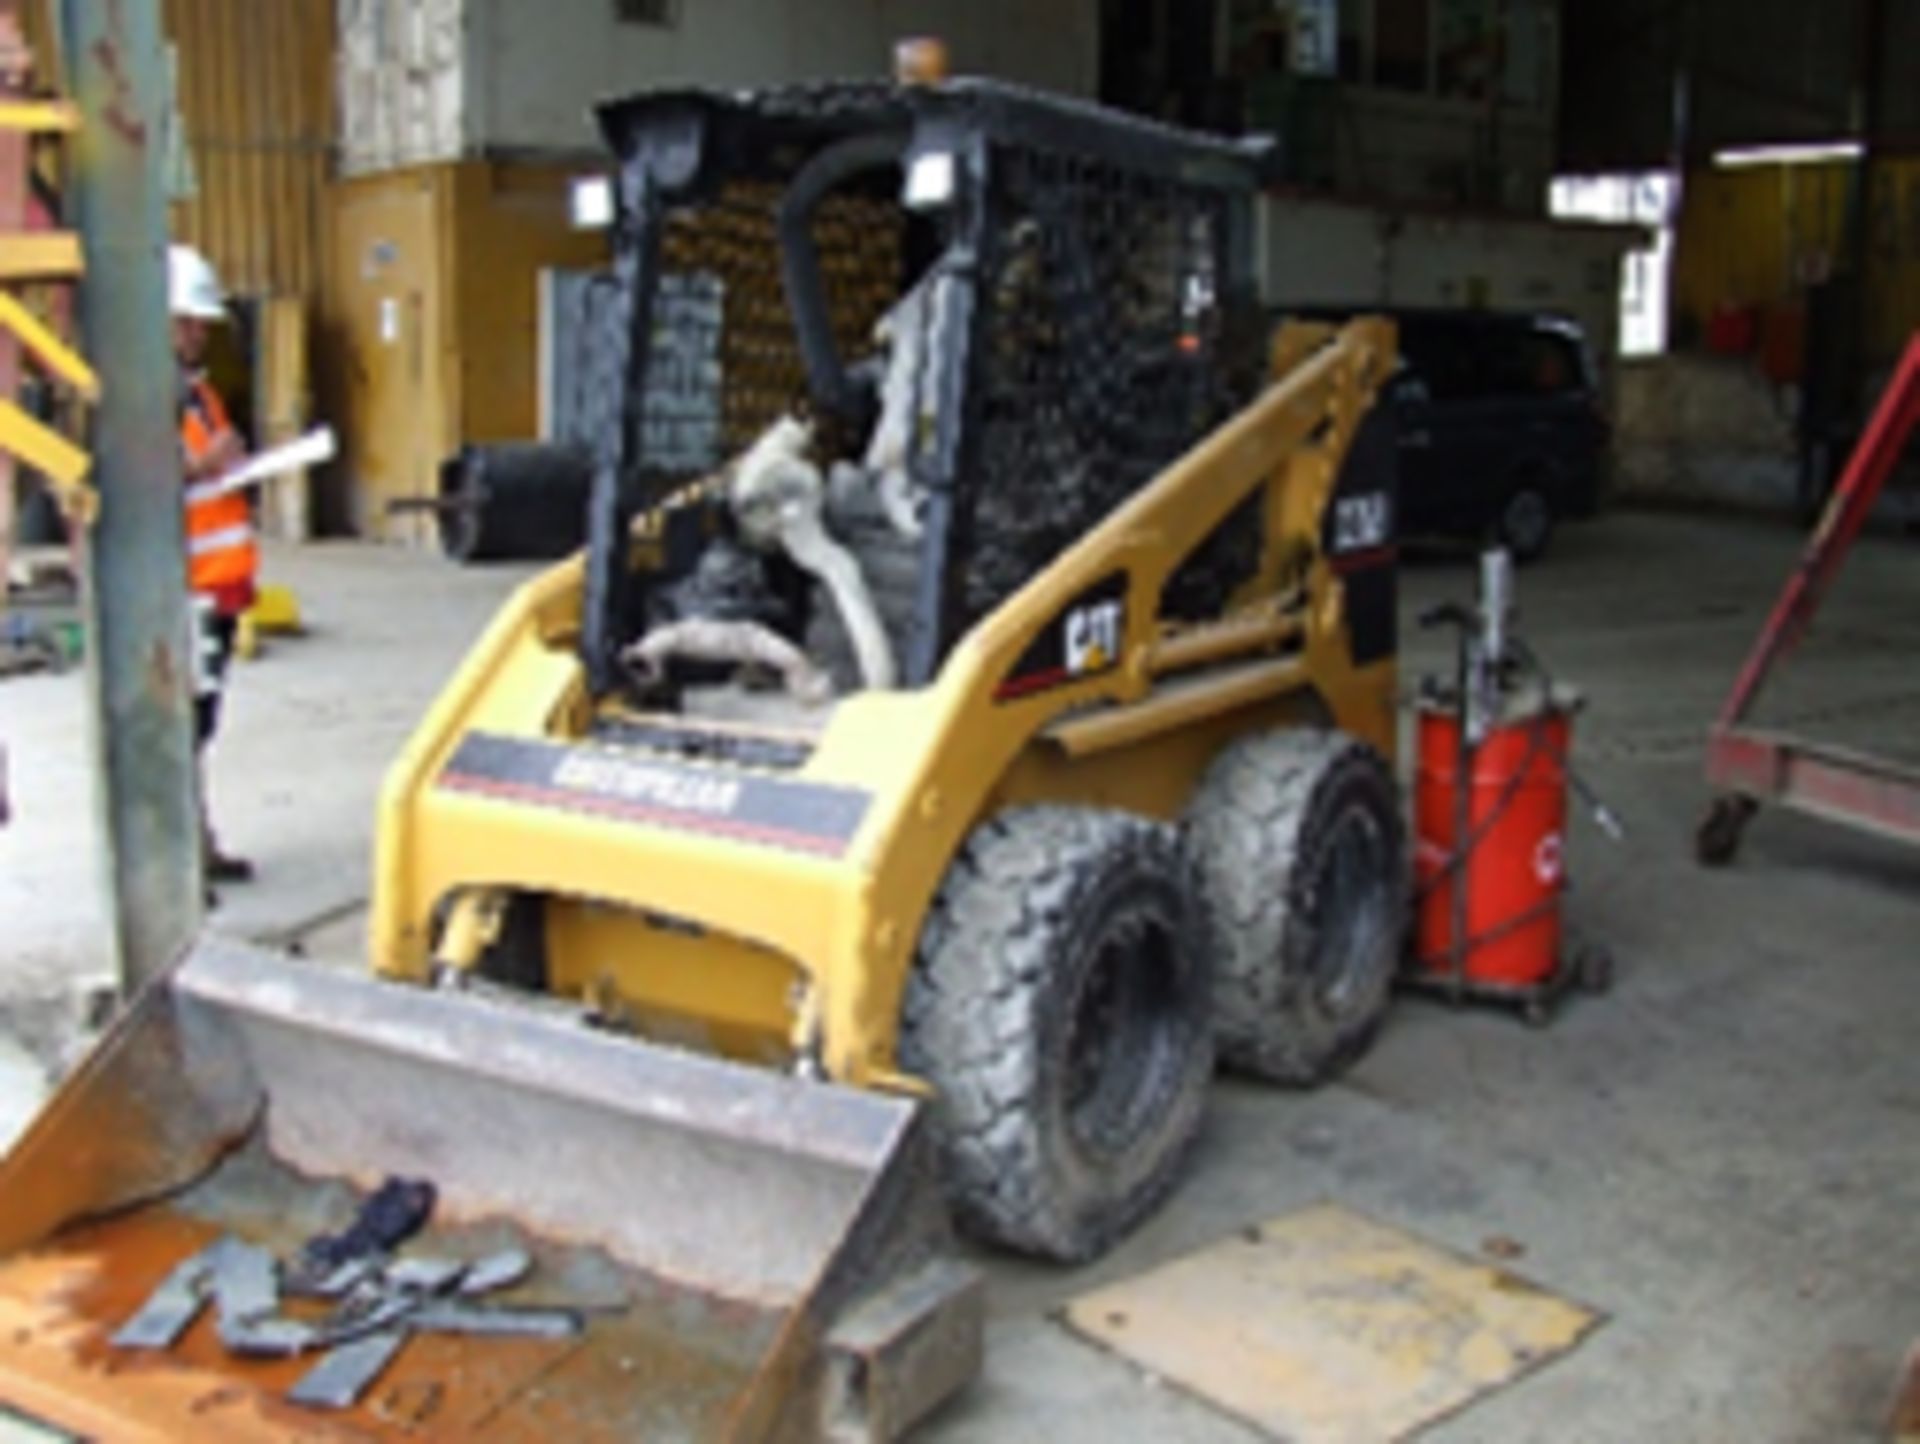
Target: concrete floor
x=1721, y=1156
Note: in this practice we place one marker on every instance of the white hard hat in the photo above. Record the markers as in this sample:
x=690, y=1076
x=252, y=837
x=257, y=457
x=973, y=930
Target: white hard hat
x=193, y=286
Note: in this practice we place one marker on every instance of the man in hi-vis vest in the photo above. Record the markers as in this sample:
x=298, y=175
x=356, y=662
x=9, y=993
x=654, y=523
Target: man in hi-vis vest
x=223, y=555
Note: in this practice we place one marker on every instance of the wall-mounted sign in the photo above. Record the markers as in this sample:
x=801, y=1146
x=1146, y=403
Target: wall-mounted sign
x=1316, y=36
x=381, y=256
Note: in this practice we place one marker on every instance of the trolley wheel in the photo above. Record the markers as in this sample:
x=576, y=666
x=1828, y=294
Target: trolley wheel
x=1537, y=1012
x=1718, y=840
x=1594, y=968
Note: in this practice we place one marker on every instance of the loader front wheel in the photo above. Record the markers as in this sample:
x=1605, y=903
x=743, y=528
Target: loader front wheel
x=1061, y=1007
x=1300, y=850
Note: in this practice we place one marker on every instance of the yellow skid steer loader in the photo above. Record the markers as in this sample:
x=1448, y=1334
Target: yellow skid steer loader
x=971, y=708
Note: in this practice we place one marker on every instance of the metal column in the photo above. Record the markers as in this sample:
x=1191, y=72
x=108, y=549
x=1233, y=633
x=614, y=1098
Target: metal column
x=140, y=665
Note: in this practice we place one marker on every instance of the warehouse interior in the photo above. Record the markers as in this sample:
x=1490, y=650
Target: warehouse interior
x=648, y=834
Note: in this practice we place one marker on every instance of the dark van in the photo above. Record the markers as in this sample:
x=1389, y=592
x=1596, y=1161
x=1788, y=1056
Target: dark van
x=1503, y=431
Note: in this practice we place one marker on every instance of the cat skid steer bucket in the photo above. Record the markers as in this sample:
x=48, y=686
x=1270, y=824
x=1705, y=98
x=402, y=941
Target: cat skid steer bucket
x=750, y=1255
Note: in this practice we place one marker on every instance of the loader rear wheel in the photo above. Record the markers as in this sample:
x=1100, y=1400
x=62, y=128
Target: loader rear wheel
x=1300, y=849
x=1060, y=1005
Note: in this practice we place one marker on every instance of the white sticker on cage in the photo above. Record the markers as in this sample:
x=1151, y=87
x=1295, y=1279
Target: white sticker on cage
x=930, y=180
x=685, y=387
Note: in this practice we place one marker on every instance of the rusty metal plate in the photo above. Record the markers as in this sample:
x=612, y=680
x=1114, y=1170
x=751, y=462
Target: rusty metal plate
x=1325, y=1327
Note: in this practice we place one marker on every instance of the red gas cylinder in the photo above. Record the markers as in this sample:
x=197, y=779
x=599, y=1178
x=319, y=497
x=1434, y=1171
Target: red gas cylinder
x=1516, y=823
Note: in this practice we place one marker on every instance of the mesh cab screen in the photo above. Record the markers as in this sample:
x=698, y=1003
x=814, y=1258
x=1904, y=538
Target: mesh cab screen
x=1105, y=358
x=725, y=358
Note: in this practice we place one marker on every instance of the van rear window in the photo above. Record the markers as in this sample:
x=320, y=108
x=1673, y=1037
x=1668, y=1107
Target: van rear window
x=1486, y=363
x=1534, y=363
x=1446, y=364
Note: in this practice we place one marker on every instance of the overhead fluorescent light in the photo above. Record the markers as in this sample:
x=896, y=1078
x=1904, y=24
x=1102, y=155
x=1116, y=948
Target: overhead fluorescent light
x=592, y=203
x=1811, y=154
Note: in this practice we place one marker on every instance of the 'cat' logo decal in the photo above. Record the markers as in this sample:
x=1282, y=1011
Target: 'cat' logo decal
x=1084, y=640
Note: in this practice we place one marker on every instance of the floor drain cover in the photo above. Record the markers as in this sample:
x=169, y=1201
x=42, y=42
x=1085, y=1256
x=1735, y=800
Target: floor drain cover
x=1325, y=1327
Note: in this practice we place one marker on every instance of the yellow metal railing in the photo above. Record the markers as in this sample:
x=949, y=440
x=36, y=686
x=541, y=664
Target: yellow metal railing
x=30, y=255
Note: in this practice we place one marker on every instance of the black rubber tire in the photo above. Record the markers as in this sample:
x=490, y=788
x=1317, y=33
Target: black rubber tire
x=514, y=501
x=1038, y=904
x=1722, y=828
x=1526, y=522
x=1263, y=829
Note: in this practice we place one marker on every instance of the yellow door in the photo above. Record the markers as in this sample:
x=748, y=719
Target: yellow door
x=390, y=288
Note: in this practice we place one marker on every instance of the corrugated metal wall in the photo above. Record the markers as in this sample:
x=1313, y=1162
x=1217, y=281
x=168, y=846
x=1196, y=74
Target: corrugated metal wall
x=37, y=23
x=1894, y=234
x=1744, y=234
x=1749, y=237
x=257, y=95
x=256, y=89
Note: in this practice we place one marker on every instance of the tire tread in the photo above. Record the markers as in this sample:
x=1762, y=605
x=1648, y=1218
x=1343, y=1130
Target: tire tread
x=1246, y=827
x=986, y=956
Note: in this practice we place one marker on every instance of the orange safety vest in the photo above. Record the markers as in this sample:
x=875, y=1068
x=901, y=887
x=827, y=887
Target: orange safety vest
x=223, y=555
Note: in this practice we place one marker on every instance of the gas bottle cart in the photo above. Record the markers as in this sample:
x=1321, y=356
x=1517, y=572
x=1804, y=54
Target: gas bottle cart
x=1490, y=819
